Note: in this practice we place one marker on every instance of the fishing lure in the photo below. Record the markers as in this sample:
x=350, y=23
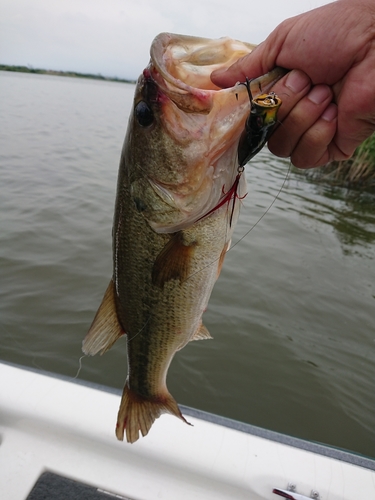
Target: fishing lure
x=258, y=128
x=259, y=124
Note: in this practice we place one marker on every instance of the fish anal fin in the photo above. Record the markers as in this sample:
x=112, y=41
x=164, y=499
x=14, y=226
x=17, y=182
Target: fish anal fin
x=137, y=414
x=105, y=329
x=202, y=333
x=174, y=261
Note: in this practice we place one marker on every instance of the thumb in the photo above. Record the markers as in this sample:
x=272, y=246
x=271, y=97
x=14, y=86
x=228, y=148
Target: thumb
x=250, y=66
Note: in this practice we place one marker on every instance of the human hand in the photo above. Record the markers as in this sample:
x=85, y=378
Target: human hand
x=329, y=98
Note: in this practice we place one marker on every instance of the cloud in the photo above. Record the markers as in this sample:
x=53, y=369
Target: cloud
x=113, y=37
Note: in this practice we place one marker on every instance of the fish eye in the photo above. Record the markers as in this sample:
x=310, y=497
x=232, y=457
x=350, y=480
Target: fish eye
x=144, y=114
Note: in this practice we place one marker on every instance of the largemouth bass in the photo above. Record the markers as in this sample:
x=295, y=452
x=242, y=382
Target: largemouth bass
x=177, y=204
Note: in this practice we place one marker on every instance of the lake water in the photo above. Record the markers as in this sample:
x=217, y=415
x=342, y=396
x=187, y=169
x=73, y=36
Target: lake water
x=292, y=314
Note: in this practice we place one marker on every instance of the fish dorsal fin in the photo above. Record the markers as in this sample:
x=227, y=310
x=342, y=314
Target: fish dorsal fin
x=105, y=329
x=173, y=262
x=201, y=334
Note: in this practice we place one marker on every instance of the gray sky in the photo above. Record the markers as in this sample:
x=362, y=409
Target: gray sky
x=113, y=37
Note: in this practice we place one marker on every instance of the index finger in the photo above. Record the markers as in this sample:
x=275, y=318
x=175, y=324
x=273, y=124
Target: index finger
x=249, y=66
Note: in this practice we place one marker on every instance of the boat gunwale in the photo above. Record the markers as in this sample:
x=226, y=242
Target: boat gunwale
x=311, y=446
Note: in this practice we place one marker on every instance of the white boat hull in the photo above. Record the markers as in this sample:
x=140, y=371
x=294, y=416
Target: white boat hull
x=50, y=424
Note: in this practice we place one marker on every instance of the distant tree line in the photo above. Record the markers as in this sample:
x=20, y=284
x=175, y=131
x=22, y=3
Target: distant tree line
x=29, y=69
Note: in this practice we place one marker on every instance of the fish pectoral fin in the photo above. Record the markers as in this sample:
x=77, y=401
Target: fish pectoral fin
x=174, y=261
x=138, y=413
x=201, y=334
x=105, y=329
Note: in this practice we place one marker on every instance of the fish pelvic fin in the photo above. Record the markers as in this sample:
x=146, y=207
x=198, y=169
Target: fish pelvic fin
x=137, y=414
x=202, y=333
x=105, y=329
x=222, y=257
x=174, y=260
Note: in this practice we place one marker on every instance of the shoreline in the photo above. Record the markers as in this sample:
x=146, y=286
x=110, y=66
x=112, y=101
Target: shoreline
x=72, y=74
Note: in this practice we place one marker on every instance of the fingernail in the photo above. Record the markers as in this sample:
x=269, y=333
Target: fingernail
x=297, y=80
x=319, y=94
x=330, y=113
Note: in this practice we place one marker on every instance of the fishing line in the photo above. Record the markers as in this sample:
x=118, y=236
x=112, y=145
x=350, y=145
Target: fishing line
x=247, y=232
x=267, y=210
x=280, y=124
x=80, y=366
x=143, y=327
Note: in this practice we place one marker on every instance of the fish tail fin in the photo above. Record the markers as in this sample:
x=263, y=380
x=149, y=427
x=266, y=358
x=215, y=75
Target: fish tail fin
x=105, y=329
x=137, y=413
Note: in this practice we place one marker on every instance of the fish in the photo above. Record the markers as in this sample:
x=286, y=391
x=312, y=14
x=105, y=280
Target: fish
x=177, y=203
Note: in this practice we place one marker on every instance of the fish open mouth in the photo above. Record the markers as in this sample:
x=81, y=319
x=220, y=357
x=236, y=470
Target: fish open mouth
x=182, y=66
